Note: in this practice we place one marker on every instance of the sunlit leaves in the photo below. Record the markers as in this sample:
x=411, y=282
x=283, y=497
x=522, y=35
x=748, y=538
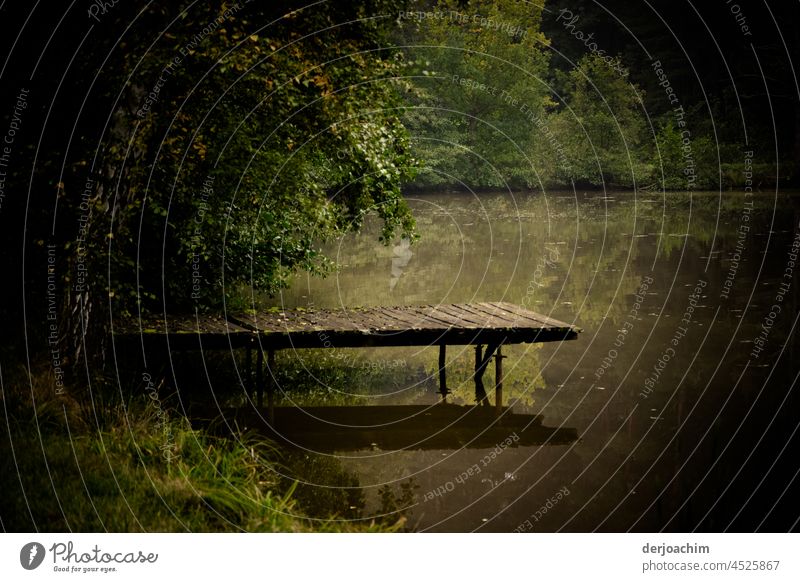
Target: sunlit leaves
x=262, y=143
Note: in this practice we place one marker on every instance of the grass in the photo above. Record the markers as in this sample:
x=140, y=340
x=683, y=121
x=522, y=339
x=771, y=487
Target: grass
x=136, y=467
x=100, y=461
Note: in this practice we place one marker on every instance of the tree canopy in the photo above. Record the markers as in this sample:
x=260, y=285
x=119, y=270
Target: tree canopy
x=480, y=73
x=246, y=141
x=212, y=148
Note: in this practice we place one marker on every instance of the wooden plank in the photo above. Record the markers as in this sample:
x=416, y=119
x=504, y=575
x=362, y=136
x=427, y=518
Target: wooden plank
x=371, y=319
x=255, y=323
x=346, y=320
x=421, y=315
x=305, y=321
x=288, y=322
x=385, y=323
x=491, y=309
x=446, y=319
x=435, y=319
x=469, y=320
x=185, y=325
x=536, y=317
x=494, y=310
x=457, y=324
x=405, y=318
x=490, y=319
x=518, y=319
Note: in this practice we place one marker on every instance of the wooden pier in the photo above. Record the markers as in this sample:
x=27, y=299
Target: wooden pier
x=487, y=326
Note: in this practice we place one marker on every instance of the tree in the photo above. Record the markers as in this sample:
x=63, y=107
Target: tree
x=263, y=141
x=217, y=147
x=480, y=91
x=604, y=125
x=197, y=148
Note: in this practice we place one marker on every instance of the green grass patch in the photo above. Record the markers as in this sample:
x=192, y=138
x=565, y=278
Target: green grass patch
x=139, y=469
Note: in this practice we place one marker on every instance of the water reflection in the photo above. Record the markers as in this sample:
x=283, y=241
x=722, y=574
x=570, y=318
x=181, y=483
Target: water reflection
x=402, y=256
x=405, y=427
x=681, y=387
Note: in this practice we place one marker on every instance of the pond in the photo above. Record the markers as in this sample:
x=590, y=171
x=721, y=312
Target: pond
x=679, y=387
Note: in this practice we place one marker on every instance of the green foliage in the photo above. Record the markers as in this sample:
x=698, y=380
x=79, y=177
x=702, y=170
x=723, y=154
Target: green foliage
x=140, y=472
x=321, y=488
x=395, y=504
x=603, y=124
x=670, y=157
x=238, y=147
x=480, y=87
x=492, y=107
x=342, y=377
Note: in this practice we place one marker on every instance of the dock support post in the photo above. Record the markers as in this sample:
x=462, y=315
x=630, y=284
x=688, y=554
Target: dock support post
x=498, y=381
x=481, y=361
x=248, y=370
x=260, y=377
x=480, y=391
x=271, y=387
x=442, y=372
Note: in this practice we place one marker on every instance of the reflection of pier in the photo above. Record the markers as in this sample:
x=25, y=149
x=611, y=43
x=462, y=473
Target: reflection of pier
x=480, y=324
x=440, y=426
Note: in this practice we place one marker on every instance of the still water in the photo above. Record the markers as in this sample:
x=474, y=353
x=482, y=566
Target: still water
x=679, y=387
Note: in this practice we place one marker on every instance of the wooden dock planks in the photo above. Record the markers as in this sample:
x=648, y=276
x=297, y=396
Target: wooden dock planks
x=454, y=324
x=184, y=332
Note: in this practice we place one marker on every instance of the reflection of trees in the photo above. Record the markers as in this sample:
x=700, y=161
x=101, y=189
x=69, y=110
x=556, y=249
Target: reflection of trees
x=579, y=262
x=485, y=248
x=521, y=371
x=323, y=488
